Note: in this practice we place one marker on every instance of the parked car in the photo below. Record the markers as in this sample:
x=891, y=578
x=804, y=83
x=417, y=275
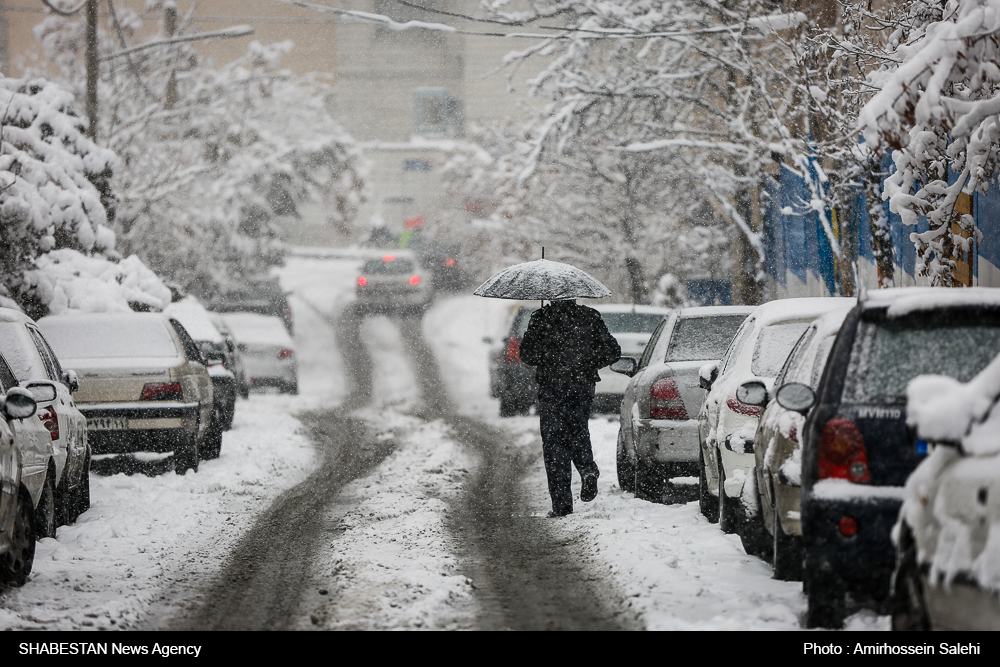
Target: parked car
x=267, y=350
x=947, y=568
x=726, y=425
x=856, y=451
x=631, y=325
x=233, y=359
x=198, y=323
x=393, y=283
x=17, y=511
x=262, y=295
x=443, y=261
x=58, y=459
x=658, y=436
x=772, y=528
x=143, y=386
x=512, y=381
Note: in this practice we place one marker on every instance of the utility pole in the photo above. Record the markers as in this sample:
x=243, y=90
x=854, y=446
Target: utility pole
x=93, y=70
x=170, y=28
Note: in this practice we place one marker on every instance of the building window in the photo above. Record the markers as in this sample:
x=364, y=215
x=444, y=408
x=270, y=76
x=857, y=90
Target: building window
x=437, y=114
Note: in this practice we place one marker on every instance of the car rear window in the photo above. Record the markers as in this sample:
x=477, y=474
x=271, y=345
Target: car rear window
x=384, y=267
x=521, y=321
x=113, y=338
x=772, y=348
x=631, y=322
x=702, y=338
x=889, y=353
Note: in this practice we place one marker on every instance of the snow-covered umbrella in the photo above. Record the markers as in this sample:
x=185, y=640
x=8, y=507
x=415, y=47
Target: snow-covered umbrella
x=543, y=279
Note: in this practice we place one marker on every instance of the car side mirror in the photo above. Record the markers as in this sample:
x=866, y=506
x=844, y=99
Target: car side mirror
x=19, y=403
x=708, y=374
x=752, y=392
x=626, y=366
x=71, y=381
x=796, y=397
x=214, y=359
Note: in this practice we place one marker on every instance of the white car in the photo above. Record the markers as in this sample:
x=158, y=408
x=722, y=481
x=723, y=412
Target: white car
x=658, y=437
x=631, y=325
x=55, y=445
x=947, y=561
x=726, y=426
x=267, y=350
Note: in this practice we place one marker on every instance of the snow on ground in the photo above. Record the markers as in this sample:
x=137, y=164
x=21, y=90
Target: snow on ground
x=678, y=571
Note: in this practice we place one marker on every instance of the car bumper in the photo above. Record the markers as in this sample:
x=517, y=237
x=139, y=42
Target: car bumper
x=132, y=427
x=737, y=467
x=961, y=605
x=668, y=441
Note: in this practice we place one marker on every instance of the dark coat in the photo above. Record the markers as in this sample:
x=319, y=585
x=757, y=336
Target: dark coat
x=568, y=343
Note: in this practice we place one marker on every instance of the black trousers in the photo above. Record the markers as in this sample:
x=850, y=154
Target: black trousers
x=564, y=413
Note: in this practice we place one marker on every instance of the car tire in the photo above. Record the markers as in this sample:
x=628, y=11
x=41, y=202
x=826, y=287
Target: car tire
x=907, y=605
x=825, y=598
x=649, y=482
x=624, y=466
x=211, y=448
x=15, y=565
x=709, y=506
x=729, y=508
x=186, y=455
x=81, y=500
x=508, y=406
x=753, y=532
x=64, y=499
x=45, y=511
x=786, y=558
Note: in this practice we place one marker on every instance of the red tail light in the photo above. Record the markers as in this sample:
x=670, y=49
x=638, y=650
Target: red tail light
x=286, y=353
x=415, y=280
x=842, y=452
x=50, y=421
x=735, y=405
x=162, y=391
x=450, y=261
x=848, y=527
x=513, y=355
x=665, y=400
x=362, y=281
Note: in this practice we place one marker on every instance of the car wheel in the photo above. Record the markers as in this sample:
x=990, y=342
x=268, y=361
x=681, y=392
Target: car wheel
x=753, y=533
x=909, y=611
x=623, y=464
x=729, y=518
x=64, y=499
x=212, y=446
x=508, y=406
x=649, y=482
x=825, y=595
x=186, y=455
x=82, y=499
x=709, y=506
x=15, y=565
x=787, y=556
x=45, y=512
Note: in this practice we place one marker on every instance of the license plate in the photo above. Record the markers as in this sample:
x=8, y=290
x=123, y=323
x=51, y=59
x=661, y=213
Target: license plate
x=107, y=423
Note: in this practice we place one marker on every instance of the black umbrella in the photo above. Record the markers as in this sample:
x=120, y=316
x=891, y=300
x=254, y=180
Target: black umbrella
x=543, y=279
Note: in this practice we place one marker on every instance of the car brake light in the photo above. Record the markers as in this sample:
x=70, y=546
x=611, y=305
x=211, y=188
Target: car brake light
x=842, y=453
x=362, y=281
x=50, y=421
x=513, y=355
x=162, y=391
x=415, y=280
x=739, y=407
x=286, y=353
x=450, y=261
x=847, y=526
x=389, y=258
x=665, y=400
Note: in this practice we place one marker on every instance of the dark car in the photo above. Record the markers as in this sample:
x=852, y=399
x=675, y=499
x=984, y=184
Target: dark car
x=856, y=450
x=17, y=512
x=512, y=381
x=263, y=295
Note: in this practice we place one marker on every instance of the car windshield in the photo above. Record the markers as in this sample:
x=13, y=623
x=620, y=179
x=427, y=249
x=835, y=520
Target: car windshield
x=19, y=351
x=387, y=267
x=631, y=322
x=702, y=338
x=892, y=352
x=773, y=346
x=112, y=338
x=521, y=321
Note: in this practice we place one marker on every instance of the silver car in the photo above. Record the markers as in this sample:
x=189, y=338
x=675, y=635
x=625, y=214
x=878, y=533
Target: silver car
x=393, y=283
x=267, y=350
x=658, y=437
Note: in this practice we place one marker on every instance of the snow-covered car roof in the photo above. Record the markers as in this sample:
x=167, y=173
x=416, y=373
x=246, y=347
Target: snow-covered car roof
x=195, y=318
x=798, y=309
x=629, y=308
x=109, y=336
x=257, y=329
x=11, y=315
x=904, y=300
x=712, y=311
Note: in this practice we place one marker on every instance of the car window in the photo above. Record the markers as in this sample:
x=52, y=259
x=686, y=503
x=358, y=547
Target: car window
x=799, y=353
x=20, y=352
x=112, y=338
x=521, y=321
x=772, y=348
x=702, y=338
x=387, y=267
x=48, y=357
x=736, y=347
x=631, y=322
x=191, y=350
x=7, y=379
x=822, y=354
x=653, y=339
x=890, y=352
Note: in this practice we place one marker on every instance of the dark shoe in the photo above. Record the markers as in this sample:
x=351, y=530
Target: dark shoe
x=589, y=489
x=555, y=515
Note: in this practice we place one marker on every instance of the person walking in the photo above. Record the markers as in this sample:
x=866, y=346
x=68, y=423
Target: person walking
x=567, y=343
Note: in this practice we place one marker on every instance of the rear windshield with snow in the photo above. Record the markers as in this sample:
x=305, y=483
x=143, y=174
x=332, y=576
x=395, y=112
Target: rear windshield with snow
x=114, y=338
x=631, y=322
x=702, y=338
x=395, y=267
x=889, y=353
x=773, y=346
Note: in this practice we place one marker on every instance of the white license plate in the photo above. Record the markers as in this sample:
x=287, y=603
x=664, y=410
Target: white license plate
x=107, y=423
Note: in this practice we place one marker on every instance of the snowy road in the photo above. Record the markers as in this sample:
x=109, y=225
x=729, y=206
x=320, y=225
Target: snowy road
x=389, y=495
